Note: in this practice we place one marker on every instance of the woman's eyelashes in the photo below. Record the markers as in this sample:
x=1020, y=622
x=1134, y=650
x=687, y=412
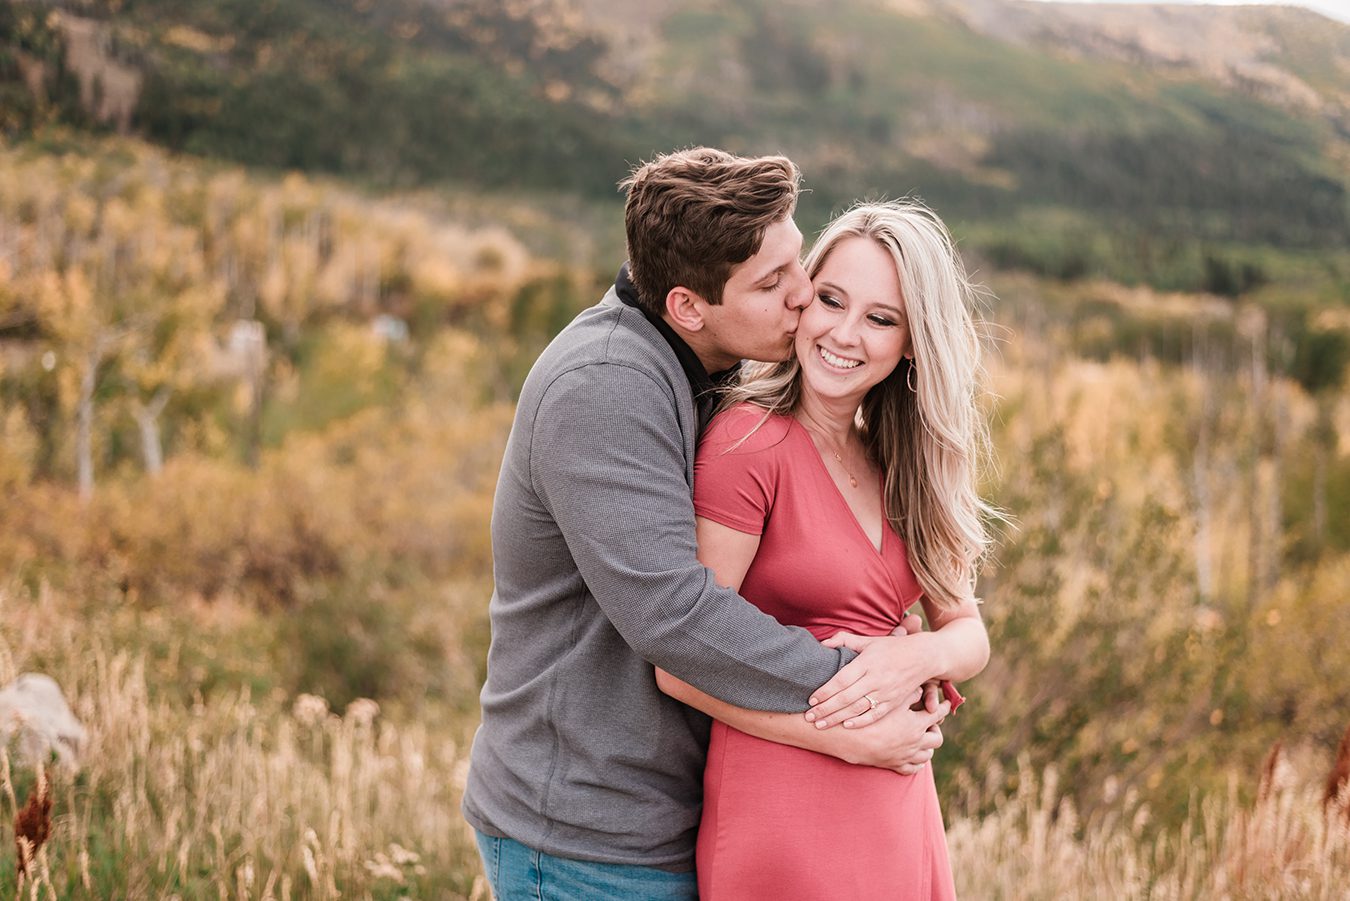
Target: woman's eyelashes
x=833, y=303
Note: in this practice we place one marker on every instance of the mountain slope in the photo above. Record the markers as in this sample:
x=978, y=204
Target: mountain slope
x=1210, y=125
x=868, y=98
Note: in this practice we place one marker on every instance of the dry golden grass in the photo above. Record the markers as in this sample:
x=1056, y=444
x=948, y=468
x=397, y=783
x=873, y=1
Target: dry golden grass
x=234, y=796
x=1034, y=846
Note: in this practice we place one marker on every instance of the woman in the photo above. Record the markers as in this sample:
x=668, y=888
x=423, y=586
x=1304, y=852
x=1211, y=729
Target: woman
x=835, y=491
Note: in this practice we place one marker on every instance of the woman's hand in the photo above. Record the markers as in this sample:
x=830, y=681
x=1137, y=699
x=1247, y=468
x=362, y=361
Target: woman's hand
x=885, y=674
x=905, y=742
x=888, y=668
x=934, y=694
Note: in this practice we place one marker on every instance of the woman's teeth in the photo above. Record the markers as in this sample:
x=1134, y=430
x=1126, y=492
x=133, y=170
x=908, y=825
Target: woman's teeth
x=837, y=361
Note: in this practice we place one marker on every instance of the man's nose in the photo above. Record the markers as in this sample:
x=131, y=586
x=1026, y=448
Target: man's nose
x=801, y=293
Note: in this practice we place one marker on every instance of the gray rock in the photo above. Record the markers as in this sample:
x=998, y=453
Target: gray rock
x=36, y=722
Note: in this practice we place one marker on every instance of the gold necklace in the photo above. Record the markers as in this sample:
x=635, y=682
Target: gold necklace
x=852, y=480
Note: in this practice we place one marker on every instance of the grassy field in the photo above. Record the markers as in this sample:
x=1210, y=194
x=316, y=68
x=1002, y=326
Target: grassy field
x=238, y=794
x=264, y=590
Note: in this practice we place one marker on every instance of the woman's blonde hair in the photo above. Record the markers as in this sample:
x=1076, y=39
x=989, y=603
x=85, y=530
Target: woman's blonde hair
x=927, y=442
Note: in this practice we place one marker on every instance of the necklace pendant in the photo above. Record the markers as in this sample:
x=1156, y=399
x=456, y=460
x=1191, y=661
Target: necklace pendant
x=840, y=460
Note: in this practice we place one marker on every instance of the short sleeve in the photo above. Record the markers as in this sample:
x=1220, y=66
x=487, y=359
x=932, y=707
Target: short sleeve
x=737, y=467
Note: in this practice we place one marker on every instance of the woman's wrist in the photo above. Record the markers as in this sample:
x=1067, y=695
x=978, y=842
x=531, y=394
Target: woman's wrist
x=932, y=651
x=959, y=650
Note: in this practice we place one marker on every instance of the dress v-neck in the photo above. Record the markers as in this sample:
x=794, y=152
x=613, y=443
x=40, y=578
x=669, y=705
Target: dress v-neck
x=879, y=550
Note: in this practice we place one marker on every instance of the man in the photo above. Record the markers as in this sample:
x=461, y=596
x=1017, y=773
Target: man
x=585, y=779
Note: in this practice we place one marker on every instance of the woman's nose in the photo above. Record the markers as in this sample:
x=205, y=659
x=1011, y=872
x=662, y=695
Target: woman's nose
x=845, y=331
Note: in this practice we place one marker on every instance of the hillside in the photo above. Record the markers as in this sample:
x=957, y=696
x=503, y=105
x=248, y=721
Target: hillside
x=1174, y=130
x=249, y=432
x=1287, y=56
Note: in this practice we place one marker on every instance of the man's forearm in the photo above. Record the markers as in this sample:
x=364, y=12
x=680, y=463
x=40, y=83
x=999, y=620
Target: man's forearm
x=782, y=728
x=868, y=747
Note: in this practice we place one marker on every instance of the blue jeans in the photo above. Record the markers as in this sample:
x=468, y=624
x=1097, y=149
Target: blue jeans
x=520, y=873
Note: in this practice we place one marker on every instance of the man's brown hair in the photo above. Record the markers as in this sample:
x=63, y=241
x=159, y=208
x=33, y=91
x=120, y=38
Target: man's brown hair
x=694, y=214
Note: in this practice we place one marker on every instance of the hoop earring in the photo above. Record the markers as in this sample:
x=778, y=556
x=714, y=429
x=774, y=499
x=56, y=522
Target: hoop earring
x=908, y=383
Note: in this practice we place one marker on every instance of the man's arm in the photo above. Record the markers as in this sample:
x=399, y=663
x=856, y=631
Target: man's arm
x=607, y=460
x=904, y=741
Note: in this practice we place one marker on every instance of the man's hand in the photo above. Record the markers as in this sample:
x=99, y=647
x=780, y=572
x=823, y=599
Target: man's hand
x=887, y=671
x=904, y=741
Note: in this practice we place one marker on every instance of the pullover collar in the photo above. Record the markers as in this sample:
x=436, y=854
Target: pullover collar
x=704, y=386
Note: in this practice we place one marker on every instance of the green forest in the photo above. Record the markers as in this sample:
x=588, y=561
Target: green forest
x=1128, y=173
x=263, y=322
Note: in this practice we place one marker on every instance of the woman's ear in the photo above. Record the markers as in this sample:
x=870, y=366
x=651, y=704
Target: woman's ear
x=685, y=309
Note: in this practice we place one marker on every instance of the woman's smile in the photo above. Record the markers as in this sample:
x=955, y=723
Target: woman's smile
x=856, y=332
x=836, y=360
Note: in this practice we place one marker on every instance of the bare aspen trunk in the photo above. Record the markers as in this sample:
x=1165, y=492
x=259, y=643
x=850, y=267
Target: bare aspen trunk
x=1274, y=496
x=1256, y=545
x=1200, y=474
x=84, y=427
x=1204, y=564
x=255, y=369
x=147, y=420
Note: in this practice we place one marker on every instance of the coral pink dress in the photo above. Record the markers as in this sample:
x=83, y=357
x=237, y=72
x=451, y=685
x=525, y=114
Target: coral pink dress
x=780, y=823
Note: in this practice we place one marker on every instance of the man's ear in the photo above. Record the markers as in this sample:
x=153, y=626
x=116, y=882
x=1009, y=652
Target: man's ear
x=685, y=309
